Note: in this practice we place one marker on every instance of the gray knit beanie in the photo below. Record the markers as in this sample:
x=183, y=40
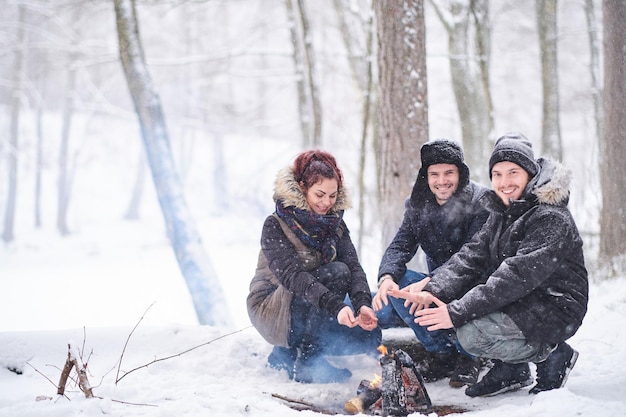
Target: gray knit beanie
x=516, y=148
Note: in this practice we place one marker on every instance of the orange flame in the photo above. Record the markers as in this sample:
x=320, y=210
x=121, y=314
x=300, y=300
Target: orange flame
x=382, y=349
x=376, y=381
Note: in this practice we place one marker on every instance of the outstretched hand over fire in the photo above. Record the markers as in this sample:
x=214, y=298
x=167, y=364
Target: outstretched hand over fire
x=419, y=302
x=414, y=296
x=366, y=319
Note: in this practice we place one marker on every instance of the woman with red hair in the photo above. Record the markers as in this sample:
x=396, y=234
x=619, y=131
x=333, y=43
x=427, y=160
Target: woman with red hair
x=307, y=266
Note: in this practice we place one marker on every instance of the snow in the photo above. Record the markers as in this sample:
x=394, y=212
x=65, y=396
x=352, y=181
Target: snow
x=93, y=287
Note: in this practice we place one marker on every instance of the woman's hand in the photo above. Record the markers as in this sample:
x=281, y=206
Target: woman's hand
x=346, y=317
x=381, y=296
x=367, y=318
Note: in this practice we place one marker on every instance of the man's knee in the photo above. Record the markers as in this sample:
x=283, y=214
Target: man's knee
x=410, y=277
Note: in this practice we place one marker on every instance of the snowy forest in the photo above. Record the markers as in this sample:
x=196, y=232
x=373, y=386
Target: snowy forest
x=179, y=111
x=140, y=144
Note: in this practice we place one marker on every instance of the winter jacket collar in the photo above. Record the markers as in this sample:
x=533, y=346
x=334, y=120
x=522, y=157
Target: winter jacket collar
x=287, y=190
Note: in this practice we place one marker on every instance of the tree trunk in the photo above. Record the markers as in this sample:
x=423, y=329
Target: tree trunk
x=361, y=68
x=63, y=190
x=298, y=61
x=403, y=106
x=470, y=79
x=594, y=69
x=551, y=128
x=132, y=211
x=311, y=76
x=612, y=166
x=13, y=149
x=202, y=281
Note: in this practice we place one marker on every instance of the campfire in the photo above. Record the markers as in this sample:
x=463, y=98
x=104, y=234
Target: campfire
x=398, y=392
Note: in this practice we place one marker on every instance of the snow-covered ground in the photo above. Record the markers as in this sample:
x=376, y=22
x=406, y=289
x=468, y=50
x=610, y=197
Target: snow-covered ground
x=93, y=287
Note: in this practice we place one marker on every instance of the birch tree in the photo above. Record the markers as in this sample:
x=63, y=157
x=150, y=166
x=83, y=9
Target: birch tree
x=202, y=281
x=403, y=106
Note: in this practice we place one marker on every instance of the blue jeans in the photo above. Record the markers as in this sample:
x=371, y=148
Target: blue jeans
x=440, y=341
x=332, y=338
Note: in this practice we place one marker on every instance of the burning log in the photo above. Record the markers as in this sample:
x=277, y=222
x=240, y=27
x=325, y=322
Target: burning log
x=399, y=392
x=367, y=394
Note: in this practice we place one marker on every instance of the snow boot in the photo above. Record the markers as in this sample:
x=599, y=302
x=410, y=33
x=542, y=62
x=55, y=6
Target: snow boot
x=503, y=377
x=553, y=372
x=283, y=358
x=311, y=366
x=465, y=372
x=436, y=365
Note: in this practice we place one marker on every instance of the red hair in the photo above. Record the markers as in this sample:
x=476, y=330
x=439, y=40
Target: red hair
x=310, y=167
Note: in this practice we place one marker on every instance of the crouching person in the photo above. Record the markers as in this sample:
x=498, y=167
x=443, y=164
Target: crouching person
x=307, y=266
x=519, y=289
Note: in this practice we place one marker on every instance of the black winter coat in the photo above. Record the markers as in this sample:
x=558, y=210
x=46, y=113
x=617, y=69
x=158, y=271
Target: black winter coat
x=527, y=261
x=441, y=230
x=285, y=264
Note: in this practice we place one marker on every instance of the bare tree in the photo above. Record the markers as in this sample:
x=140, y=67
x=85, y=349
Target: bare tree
x=16, y=105
x=612, y=167
x=551, y=128
x=469, y=69
x=359, y=54
x=202, y=281
x=403, y=106
x=309, y=102
x=298, y=60
x=65, y=171
x=311, y=75
x=595, y=70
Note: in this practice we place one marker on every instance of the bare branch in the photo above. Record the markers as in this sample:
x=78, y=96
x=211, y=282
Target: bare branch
x=119, y=365
x=181, y=353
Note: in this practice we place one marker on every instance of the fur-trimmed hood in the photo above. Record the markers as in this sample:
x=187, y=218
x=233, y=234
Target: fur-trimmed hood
x=287, y=190
x=551, y=184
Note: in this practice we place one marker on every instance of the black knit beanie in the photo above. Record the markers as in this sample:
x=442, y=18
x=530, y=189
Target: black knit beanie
x=516, y=148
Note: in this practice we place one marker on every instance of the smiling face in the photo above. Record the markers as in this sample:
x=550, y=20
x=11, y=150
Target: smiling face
x=508, y=181
x=443, y=180
x=322, y=195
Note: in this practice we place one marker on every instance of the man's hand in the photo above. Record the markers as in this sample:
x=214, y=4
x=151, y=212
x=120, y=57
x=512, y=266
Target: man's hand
x=381, y=296
x=435, y=318
x=416, y=299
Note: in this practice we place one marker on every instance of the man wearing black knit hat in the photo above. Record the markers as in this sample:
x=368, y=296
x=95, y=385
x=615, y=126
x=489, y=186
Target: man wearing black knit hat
x=519, y=289
x=441, y=215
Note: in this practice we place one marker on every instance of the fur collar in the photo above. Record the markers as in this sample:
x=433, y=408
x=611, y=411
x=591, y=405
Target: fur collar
x=551, y=184
x=287, y=190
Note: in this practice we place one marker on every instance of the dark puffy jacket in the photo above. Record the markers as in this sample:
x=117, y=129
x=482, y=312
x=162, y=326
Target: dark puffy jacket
x=284, y=266
x=527, y=261
x=440, y=230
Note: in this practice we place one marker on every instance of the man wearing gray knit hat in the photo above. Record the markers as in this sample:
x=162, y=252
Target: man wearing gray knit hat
x=514, y=147
x=519, y=289
x=442, y=213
